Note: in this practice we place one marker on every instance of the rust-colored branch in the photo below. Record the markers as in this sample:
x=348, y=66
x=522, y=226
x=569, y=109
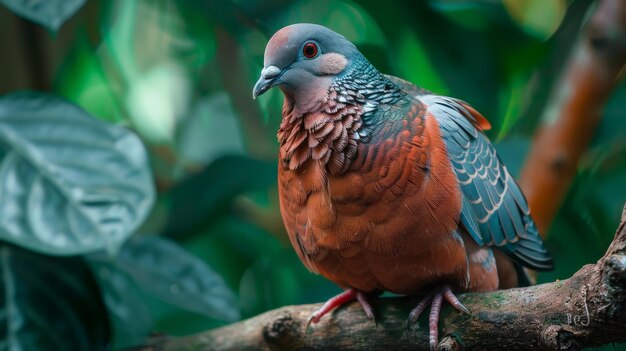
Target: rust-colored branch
x=588, y=309
x=572, y=115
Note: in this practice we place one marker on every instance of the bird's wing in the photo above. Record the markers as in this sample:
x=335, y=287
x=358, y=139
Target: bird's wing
x=494, y=211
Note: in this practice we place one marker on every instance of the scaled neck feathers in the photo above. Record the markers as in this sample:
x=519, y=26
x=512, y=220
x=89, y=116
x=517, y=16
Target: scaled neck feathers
x=330, y=130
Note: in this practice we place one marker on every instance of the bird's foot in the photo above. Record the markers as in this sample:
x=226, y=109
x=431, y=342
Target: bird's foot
x=435, y=300
x=340, y=300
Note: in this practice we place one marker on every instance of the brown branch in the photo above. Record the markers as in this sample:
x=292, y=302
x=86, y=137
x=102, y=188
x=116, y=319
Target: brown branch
x=575, y=109
x=588, y=309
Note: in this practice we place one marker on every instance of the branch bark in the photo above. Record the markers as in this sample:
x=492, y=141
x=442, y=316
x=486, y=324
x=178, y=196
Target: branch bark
x=588, y=309
x=596, y=66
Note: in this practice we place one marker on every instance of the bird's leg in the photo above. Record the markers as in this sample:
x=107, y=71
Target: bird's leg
x=367, y=308
x=417, y=311
x=435, y=300
x=341, y=300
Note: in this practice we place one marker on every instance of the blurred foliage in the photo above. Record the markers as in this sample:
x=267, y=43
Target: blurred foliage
x=179, y=74
x=50, y=14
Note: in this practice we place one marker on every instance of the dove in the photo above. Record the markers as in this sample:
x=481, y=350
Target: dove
x=385, y=186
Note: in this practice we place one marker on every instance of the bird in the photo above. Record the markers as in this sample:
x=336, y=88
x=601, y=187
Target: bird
x=385, y=186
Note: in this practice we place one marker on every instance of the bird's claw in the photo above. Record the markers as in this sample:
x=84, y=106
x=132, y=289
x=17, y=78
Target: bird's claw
x=340, y=300
x=435, y=300
x=367, y=308
x=314, y=318
x=454, y=301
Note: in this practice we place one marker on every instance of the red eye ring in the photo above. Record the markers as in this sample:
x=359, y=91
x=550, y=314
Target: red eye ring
x=309, y=50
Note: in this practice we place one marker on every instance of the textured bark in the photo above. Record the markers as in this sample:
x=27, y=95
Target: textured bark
x=588, y=309
x=595, y=67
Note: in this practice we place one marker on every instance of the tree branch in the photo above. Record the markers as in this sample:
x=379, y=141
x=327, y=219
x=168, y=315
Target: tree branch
x=588, y=309
x=596, y=66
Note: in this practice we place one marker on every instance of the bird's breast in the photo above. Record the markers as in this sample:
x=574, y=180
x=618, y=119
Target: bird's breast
x=388, y=222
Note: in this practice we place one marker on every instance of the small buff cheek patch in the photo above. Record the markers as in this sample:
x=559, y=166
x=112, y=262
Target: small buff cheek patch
x=332, y=63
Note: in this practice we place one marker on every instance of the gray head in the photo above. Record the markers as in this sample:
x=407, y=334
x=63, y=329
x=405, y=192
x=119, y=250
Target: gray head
x=302, y=59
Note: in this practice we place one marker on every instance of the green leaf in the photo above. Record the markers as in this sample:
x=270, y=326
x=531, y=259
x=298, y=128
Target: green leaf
x=337, y=15
x=48, y=13
x=70, y=183
x=163, y=269
x=420, y=70
x=210, y=131
x=83, y=78
x=207, y=194
x=537, y=17
x=158, y=99
x=49, y=303
x=280, y=279
x=476, y=15
x=130, y=316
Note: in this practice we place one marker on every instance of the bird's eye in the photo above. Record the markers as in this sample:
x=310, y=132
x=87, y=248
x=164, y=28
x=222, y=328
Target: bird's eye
x=309, y=50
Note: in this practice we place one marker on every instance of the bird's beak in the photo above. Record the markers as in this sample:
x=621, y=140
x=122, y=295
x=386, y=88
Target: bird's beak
x=267, y=80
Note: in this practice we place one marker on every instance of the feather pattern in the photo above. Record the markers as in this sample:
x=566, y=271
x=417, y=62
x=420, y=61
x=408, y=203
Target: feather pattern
x=495, y=211
x=380, y=213
x=384, y=186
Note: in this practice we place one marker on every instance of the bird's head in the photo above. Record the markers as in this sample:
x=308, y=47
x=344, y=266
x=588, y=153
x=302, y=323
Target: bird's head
x=303, y=59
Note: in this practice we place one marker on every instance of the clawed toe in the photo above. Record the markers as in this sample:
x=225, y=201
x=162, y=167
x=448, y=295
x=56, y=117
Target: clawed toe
x=314, y=318
x=367, y=308
x=454, y=301
x=435, y=300
x=417, y=311
x=340, y=300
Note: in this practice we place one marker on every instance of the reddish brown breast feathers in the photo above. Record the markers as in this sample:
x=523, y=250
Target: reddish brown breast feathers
x=328, y=134
x=377, y=215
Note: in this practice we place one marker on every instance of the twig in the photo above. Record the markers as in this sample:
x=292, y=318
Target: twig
x=574, y=111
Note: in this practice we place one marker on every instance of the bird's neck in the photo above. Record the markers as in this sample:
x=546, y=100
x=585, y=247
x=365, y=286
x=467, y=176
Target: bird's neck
x=330, y=129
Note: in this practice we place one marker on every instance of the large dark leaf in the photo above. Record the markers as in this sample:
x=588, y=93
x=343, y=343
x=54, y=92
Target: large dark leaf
x=69, y=183
x=49, y=303
x=280, y=279
x=49, y=13
x=163, y=269
x=205, y=195
x=130, y=316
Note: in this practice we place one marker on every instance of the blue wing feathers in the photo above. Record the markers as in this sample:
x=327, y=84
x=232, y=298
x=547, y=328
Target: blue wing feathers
x=494, y=210
x=469, y=221
x=507, y=225
x=496, y=231
x=513, y=213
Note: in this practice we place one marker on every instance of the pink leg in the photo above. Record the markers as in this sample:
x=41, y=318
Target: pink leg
x=369, y=311
x=341, y=300
x=417, y=311
x=433, y=321
x=453, y=300
x=435, y=300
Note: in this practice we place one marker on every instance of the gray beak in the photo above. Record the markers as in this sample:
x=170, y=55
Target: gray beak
x=266, y=81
